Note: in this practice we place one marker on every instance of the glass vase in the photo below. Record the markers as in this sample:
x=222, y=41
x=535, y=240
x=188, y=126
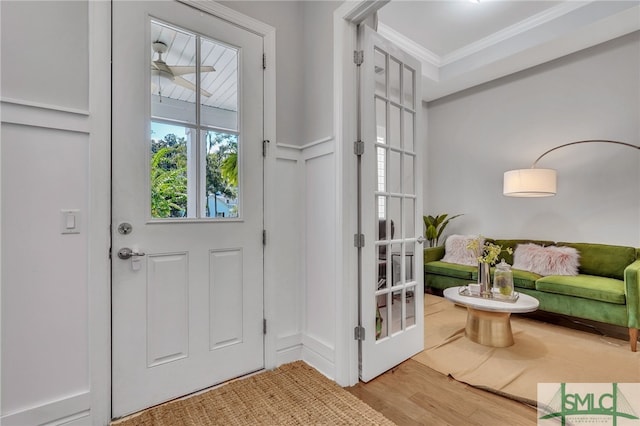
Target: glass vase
x=484, y=279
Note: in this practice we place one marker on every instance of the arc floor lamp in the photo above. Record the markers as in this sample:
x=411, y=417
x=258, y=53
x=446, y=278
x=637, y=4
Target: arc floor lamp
x=533, y=182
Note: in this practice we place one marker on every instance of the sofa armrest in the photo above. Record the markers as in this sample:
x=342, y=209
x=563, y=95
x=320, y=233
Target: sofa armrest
x=432, y=254
x=632, y=293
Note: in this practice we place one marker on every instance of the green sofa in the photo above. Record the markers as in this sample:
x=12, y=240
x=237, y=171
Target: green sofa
x=606, y=289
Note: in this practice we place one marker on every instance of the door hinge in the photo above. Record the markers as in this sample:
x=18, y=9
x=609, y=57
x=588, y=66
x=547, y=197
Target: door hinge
x=358, y=57
x=264, y=326
x=264, y=61
x=265, y=143
x=264, y=237
x=358, y=147
x=110, y=253
x=358, y=332
x=358, y=240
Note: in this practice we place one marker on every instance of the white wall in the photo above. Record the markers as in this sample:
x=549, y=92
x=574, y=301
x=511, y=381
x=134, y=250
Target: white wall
x=54, y=126
x=476, y=135
x=305, y=175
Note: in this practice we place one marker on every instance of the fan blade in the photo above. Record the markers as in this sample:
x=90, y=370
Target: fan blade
x=161, y=66
x=189, y=85
x=182, y=70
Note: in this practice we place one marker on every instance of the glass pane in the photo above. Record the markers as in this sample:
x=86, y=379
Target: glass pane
x=408, y=131
x=396, y=308
x=409, y=224
x=173, y=63
x=382, y=267
x=411, y=306
x=394, y=80
x=169, y=180
x=380, y=68
x=408, y=263
x=381, y=168
x=407, y=83
x=393, y=178
x=221, y=177
x=408, y=186
x=394, y=125
x=381, y=121
x=382, y=313
x=396, y=266
x=394, y=217
x=382, y=207
x=385, y=230
x=219, y=85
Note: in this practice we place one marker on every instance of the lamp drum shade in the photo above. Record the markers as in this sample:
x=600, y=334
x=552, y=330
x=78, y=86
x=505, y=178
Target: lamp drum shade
x=529, y=183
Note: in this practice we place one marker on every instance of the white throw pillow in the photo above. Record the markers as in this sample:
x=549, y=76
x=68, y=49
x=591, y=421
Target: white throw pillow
x=456, y=251
x=551, y=260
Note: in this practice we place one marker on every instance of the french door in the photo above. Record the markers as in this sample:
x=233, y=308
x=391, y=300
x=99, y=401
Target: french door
x=391, y=197
x=187, y=188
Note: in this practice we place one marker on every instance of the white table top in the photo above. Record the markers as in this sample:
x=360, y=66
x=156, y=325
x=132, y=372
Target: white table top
x=525, y=303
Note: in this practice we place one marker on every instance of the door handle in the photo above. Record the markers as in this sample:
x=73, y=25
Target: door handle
x=126, y=253
x=421, y=239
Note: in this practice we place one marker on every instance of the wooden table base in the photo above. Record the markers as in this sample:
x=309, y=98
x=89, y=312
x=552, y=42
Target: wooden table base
x=489, y=328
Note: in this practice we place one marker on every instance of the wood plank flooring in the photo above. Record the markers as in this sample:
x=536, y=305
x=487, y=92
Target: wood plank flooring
x=414, y=394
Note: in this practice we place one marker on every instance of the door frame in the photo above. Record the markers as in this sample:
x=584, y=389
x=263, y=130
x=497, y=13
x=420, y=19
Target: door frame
x=99, y=275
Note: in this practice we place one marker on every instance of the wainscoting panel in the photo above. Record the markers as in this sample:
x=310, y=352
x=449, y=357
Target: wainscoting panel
x=168, y=308
x=319, y=337
x=71, y=411
x=226, y=294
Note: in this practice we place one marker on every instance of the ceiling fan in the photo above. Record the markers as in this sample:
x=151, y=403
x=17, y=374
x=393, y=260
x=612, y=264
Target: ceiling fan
x=173, y=73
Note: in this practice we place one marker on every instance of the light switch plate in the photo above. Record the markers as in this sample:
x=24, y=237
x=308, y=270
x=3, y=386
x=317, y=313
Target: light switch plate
x=70, y=221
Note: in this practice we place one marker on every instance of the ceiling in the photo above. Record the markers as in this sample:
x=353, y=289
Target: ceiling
x=462, y=44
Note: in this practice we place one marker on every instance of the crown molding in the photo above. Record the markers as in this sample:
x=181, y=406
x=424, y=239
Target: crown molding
x=512, y=31
x=558, y=31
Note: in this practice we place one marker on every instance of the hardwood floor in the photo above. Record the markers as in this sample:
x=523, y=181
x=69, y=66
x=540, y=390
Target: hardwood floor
x=414, y=394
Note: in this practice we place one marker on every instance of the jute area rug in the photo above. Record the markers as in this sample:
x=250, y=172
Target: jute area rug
x=542, y=353
x=292, y=394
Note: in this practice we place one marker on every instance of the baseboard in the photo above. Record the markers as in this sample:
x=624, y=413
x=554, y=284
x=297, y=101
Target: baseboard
x=319, y=356
x=71, y=411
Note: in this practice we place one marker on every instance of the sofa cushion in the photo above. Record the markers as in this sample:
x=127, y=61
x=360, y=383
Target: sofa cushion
x=603, y=260
x=512, y=244
x=449, y=269
x=550, y=260
x=524, y=279
x=584, y=286
x=456, y=251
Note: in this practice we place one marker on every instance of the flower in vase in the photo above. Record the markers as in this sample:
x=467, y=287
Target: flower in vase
x=488, y=252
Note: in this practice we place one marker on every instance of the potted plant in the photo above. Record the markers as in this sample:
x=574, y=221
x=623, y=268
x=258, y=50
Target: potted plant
x=434, y=225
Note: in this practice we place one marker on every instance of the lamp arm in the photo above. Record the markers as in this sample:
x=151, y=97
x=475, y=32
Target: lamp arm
x=579, y=142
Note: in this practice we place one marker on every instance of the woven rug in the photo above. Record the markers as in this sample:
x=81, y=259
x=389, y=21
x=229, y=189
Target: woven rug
x=292, y=394
x=542, y=353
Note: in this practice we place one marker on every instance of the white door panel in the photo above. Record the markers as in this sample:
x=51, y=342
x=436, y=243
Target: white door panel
x=188, y=313
x=392, y=278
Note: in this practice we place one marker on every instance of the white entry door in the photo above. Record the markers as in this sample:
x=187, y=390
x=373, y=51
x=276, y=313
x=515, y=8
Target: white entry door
x=392, y=278
x=187, y=261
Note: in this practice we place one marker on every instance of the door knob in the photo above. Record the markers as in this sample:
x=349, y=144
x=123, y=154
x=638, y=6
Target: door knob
x=421, y=239
x=126, y=253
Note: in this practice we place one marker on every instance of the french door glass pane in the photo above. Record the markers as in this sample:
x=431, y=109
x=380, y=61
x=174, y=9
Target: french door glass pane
x=407, y=84
x=380, y=64
x=408, y=131
x=394, y=125
x=394, y=80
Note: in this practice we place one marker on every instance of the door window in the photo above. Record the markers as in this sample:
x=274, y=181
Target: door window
x=195, y=138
